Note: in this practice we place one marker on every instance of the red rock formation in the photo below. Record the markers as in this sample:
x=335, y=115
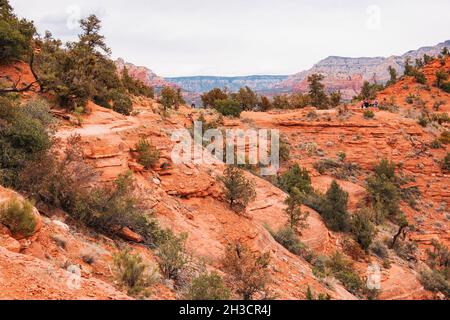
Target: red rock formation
x=188, y=198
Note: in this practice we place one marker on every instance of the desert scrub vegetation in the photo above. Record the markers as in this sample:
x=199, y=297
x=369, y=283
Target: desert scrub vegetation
x=438, y=258
x=25, y=133
x=380, y=249
x=419, y=76
x=205, y=125
x=228, y=108
x=311, y=148
x=247, y=271
x=363, y=229
x=238, y=190
x=410, y=98
x=438, y=278
x=407, y=250
x=423, y=121
x=341, y=169
x=288, y=238
x=295, y=178
x=284, y=150
x=148, y=155
x=296, y=218
x=368, y=91
x=444, y=138
x=341, y=269
x=435, y=144
x=440, y=118
x=311, y=296
x=171, y=98
x=209, y=98
x=207, y=286
x=438, y=104
x=368, y=114
x=57, y=176
x=441, y=77
x=133, y=273
x=18, y=217
x=112, y=208
x=383, y=191
x=62, y=180
x=297, y=221
x=446, y=163
x=172, y=254
x=435, y=282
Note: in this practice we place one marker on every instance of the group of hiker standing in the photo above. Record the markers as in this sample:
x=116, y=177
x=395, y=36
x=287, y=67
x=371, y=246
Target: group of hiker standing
x=366, y=104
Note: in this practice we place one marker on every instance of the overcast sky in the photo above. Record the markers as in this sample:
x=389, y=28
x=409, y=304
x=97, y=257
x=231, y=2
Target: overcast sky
x=243, y=37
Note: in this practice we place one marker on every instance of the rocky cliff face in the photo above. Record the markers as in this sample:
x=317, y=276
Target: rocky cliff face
x=143, y=74
x=348, y=74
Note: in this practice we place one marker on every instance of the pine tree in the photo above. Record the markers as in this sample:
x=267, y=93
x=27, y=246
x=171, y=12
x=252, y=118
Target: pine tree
x=317, y=93
x=335, y=98
x=209, y=98
x=247, y=99
x=369, y=91
x=168, y=98
x=309, y=294
x=334, y=208
x=363, y=228
x=239, y=191
x=296, y=218
x=91, y=36
x=427, y=59
x=264, y=103
x=393, y=75
x=441, y=77
x=409, y=69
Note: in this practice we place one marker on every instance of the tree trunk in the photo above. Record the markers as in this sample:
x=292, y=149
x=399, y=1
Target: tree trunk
x=394, y=240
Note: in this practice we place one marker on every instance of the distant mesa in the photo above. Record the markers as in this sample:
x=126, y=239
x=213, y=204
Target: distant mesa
x=348, y=74
x=200, y=84
x=341, y=73
x=143, y=74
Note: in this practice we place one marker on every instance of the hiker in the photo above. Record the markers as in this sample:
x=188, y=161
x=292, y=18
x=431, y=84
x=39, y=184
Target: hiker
x=375, y=103
x=193, y=105
x=366, y=104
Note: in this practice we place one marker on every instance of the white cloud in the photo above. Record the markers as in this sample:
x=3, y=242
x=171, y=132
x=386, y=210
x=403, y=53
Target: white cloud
x=190, y=37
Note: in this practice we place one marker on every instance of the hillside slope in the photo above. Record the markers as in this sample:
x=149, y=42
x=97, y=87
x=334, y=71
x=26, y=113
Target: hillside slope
x=189, y=198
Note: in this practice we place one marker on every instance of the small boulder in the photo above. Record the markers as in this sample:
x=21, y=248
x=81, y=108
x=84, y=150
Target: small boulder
x=8, y=242
x=61, y=225
x=127, y=234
